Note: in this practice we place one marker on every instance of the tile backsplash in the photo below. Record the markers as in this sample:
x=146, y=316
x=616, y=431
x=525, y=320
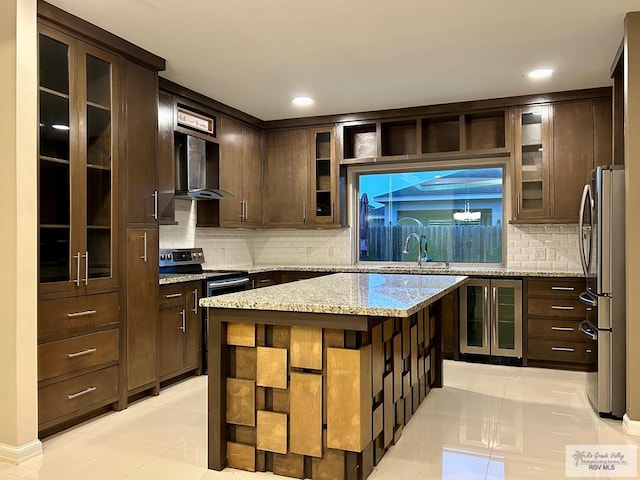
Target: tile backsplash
x=543, y=247
x=529, y=247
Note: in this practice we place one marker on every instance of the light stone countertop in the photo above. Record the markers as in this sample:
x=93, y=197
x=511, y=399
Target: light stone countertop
x=432, y=269
x=429, y=269
x=345, y=294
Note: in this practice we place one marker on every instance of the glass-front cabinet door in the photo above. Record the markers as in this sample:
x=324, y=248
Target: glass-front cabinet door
x=532, y=162
x=76, y=165
x=506, y=321
x=475, y=314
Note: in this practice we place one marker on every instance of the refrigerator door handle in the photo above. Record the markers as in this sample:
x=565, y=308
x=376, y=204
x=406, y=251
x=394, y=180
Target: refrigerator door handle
x=588, y=299
x=586, y=329
x=586, y=195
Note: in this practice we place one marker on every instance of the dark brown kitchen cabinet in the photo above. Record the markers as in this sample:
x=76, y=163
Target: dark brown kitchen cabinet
x=165, y=159
x=552, y=315
x=556, y=146
x=301, y=179
x=180, y=330
x=96, y=156
x=532, y=163
x=79, y=104
x=142, y=309
x=78, y=161
x=240, y=174
x=581, y=141
x=323, y=178
x=287, y=177
x=141, y=99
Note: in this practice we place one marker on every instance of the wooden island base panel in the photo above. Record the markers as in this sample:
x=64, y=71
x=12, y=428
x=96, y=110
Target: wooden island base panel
x=318, y=395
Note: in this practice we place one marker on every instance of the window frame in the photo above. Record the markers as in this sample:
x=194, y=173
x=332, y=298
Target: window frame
x=355, y=171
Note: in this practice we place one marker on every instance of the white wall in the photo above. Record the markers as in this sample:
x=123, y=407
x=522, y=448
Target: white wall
x=529, y=247
x=18, y=224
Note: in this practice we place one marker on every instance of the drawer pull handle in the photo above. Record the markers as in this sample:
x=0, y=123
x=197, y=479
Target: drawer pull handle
x=81, y=353
x=173, y=295
x=561, y=307
x=564, y=289
x=588, y=350
x=81, y=314
x=82, y=392
x=562, y=329
x=265, y=280
x=563, y=349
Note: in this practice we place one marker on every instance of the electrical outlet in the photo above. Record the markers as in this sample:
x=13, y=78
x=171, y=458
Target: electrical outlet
x=331, y=252
x=539, y=253
x=309, y=251
x=551, y=253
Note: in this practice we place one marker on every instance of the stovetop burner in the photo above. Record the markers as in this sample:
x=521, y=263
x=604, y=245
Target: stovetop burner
x=188, y=261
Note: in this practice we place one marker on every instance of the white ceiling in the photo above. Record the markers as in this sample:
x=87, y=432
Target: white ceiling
x=361, y=55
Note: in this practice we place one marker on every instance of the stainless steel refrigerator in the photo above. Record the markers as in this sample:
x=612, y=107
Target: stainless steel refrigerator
x=602, y=252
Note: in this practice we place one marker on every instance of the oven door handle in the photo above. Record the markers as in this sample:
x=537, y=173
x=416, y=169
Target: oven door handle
x=219, y=284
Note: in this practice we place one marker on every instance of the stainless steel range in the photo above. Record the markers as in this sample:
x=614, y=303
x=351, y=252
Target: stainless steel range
x=188, y=262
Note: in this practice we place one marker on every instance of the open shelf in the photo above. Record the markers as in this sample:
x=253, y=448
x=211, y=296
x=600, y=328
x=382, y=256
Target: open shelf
x=400, y=138
x=360, y=141
x=441, y=134
x=484, y=130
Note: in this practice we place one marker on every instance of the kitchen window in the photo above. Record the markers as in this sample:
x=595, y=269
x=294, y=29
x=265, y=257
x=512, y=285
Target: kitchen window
x=457, y=213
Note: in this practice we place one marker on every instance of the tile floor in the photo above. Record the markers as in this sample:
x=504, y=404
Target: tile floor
x=488, y=422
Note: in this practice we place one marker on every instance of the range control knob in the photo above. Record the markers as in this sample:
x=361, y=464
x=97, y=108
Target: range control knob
x=162, y=256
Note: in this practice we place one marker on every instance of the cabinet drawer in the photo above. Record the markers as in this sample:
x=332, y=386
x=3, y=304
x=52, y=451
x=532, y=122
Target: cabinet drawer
x=75, y=315
x=260, y=280
x=557, y=328
x=93, y=389
x=562, y=350
x=171, y=296
x=77, y=353
x=556, y=307
x=557, y=288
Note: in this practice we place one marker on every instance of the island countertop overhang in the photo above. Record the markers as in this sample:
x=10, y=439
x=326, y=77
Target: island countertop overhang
x=370, y=294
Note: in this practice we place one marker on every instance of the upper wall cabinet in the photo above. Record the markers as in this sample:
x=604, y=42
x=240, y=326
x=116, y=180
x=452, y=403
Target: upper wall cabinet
x=531, y=156
x=165, y=159
x=240, y=174
x=556, y=146
x=287, y=177
x=301, y=180
x=141, y=99
x=433, y=137
x=78, y=98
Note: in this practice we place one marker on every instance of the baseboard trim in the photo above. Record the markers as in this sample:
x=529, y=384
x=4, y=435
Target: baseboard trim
x=21, y=453
x=631, y=427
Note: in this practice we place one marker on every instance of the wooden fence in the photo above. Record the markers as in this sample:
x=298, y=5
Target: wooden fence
x=448, y=243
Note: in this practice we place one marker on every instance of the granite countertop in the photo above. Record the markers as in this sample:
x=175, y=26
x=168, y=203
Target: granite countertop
x=429, y=269
x=345, y=294
x=170, y=278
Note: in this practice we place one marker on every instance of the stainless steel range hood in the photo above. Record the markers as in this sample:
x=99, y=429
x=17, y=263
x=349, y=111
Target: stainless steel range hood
x=197, y=169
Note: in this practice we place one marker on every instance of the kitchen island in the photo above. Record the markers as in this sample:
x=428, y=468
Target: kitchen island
x=317, y=378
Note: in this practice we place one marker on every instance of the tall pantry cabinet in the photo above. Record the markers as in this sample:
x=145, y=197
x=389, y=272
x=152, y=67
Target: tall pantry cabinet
x=92, y=133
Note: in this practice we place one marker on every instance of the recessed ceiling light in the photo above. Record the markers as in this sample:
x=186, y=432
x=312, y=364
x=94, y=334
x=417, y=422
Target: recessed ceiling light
x=57, y=126
x=540, y=73
x=302, y=101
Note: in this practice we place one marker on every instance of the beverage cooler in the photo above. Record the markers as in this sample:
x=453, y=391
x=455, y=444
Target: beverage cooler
x=491, y=321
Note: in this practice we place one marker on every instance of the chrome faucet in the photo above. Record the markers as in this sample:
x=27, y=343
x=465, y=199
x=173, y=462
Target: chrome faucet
x=423, y=255
x=406, y=246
